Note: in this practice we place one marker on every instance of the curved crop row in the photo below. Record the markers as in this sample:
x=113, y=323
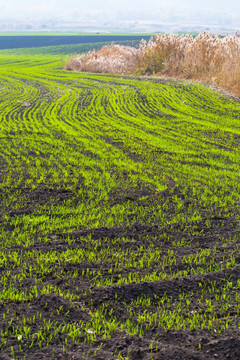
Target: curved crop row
x=119, y=212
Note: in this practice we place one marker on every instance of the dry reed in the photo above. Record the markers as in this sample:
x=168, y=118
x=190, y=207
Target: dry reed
x=208, y=58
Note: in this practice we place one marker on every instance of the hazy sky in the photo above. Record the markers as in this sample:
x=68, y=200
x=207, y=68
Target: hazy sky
x=47, y=8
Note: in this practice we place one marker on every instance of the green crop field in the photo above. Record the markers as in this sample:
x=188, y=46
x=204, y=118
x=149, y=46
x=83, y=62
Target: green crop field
x=120, y=215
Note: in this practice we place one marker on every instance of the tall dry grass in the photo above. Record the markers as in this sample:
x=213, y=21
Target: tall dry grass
x=205, y=57
x=113, y=59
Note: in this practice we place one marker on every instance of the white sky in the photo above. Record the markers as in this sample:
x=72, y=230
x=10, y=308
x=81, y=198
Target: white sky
x=47, y=8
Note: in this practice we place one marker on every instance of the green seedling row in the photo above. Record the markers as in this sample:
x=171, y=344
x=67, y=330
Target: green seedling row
x=119, y=210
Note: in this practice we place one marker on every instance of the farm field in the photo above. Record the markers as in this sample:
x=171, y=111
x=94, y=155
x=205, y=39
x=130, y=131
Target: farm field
x=120, y=215
x=33, y=41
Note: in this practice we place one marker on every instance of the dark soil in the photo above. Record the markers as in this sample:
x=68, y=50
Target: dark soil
x=171, y=344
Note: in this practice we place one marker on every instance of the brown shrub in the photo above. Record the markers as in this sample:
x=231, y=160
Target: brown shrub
x=206, y=58
x=114, y=59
